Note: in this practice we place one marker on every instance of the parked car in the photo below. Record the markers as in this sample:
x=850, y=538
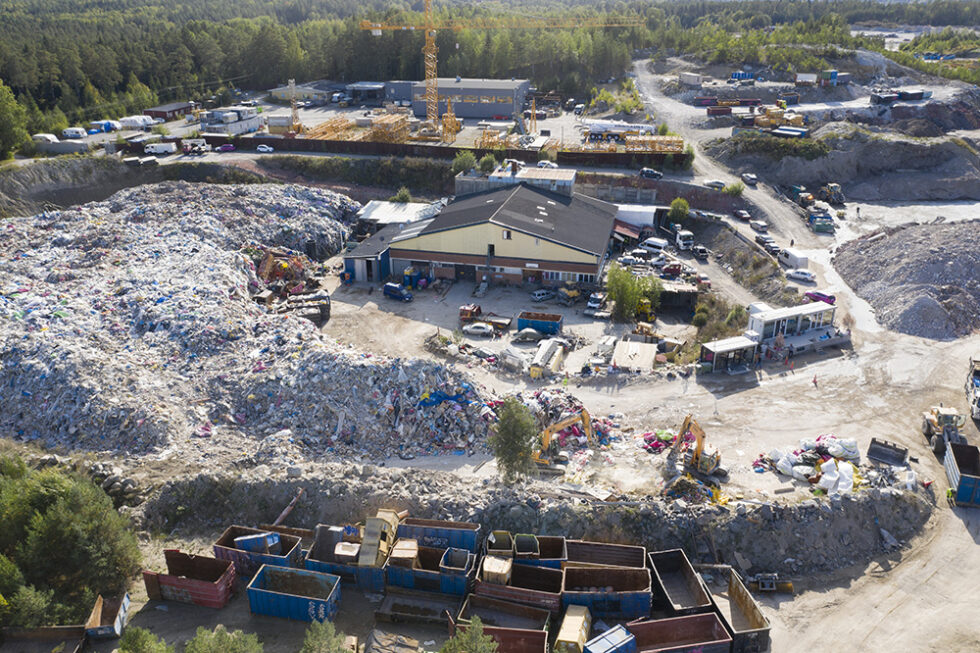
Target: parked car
x=542, y=294
x=759, y=225
x=227, y=147
x=478, y=329
x=703, y=280
x=743, y=215
x=627, y=261
x=397, y=291
x=814, y=296
x=714, y=183
x=700, y=252
x=482, y=352
x=528, y=335
x=265, y=148
x=762, y=239
x=650, y=173
x=547, y=164
x=801, y=275
x=772, y=248
x=750, y=178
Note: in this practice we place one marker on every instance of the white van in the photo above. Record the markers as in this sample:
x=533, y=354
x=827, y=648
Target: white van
x=159, y=148
x=792, y=258
x=44, y=138
x=654, y=245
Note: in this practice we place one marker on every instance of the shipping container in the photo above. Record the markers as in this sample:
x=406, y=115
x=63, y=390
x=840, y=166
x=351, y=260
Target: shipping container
x=705, y=101
x=428, y=577
x=411, y=606
x=108, y=617
x=678, y=587
x=614, y=640
x=576, y=628
x=601, y=554
x=609, y=592
x=208, y=582
x=297, y=594
x=441, y=534
x=790, y=98
x=539, y=587
x=699, y=633
x=549, y=323
x=525, y=546
x=740, y=614
x=503, y=614
x=962, y=463
x=551, y=553
x=246, y=562
x=719, y=111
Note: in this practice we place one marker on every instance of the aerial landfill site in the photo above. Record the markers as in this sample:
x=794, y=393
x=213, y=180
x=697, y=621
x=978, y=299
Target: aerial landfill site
x=684, y=361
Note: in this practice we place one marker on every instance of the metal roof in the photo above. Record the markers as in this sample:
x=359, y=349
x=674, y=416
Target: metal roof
x=450, y=83
x=376, y=244
x=792, y=311
x=380, y=212
x=366, y=86
x=730, y=344
x=173, y=106
x=580, y=222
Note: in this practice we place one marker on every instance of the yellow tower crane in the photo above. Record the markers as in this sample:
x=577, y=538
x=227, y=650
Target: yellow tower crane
x=430, y=26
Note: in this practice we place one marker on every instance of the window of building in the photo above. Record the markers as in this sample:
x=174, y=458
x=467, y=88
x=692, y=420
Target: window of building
x=551, y=276
x=585, y=278
x=487, y=99
x=471, y=99
x=507, y=234
x=503, y=99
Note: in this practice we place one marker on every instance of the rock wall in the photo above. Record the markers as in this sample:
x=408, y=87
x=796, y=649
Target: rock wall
x=800, y=538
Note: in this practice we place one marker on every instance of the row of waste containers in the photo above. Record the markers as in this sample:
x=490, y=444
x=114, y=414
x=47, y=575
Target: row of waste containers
x=444, y=572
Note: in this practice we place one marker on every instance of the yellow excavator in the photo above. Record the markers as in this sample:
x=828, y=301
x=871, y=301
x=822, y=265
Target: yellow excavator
x=702, y=458
x=545, y=457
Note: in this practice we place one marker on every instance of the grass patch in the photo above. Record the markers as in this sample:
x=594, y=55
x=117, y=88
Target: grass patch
x=777, y=148
x=417, y=174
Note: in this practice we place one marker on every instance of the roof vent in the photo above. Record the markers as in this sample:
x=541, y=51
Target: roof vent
x=539, y=220
x=489, y=201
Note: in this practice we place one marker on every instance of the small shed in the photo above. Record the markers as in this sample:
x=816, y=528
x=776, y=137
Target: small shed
x=729, y=353
x=370, y=260
x=635, y=356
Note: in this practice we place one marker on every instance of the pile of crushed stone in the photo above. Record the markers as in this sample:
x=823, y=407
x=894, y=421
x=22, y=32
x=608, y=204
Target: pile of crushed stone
x=922, y=280
x=128, y=326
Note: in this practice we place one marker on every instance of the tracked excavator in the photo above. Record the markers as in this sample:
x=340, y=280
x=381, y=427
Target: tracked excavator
x=547, y=458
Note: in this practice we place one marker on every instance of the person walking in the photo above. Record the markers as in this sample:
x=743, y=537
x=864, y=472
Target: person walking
x=814, y=380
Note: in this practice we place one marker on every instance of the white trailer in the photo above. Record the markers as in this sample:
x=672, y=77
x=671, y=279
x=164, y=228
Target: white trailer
x=136, y=122
x=73, y=132
x=44, y=138
x=159, y=148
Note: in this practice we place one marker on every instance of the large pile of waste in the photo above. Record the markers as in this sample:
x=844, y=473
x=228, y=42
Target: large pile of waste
x=132, y=325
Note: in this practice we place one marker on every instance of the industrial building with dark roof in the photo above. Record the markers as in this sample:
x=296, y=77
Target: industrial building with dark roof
x=471, y=98
x=513, y=235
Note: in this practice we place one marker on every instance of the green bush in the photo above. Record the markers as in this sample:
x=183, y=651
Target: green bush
x=220, y=640
x=140, y=640
x=403, y=196
x=488, y=164
x=10, y=576
x=679, y=210
x=465, y=160
x=699, y=319
x=778, y=148
x=418, y=174
x=322, y=637
x=626, y=291
x=735, y=190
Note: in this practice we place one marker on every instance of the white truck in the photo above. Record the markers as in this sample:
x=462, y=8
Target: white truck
x=793, y=259
x=159, y=148
x=973, y=386
x=684, y=239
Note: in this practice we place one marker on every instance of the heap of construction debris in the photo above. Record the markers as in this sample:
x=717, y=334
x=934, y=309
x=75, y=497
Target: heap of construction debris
x=923, y=280
x=132, y=325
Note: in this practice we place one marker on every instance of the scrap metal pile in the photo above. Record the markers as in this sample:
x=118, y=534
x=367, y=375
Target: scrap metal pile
x=130, y=325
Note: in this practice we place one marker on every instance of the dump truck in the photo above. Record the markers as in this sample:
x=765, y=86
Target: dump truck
x=973, y=386
x=962, y=463
x=941, y=426
x=473, y=312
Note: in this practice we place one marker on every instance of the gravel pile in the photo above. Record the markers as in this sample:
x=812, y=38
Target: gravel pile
x=923, y=280
x=127, y=325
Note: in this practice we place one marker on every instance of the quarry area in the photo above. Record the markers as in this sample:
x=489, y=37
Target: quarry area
x=795, y=409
